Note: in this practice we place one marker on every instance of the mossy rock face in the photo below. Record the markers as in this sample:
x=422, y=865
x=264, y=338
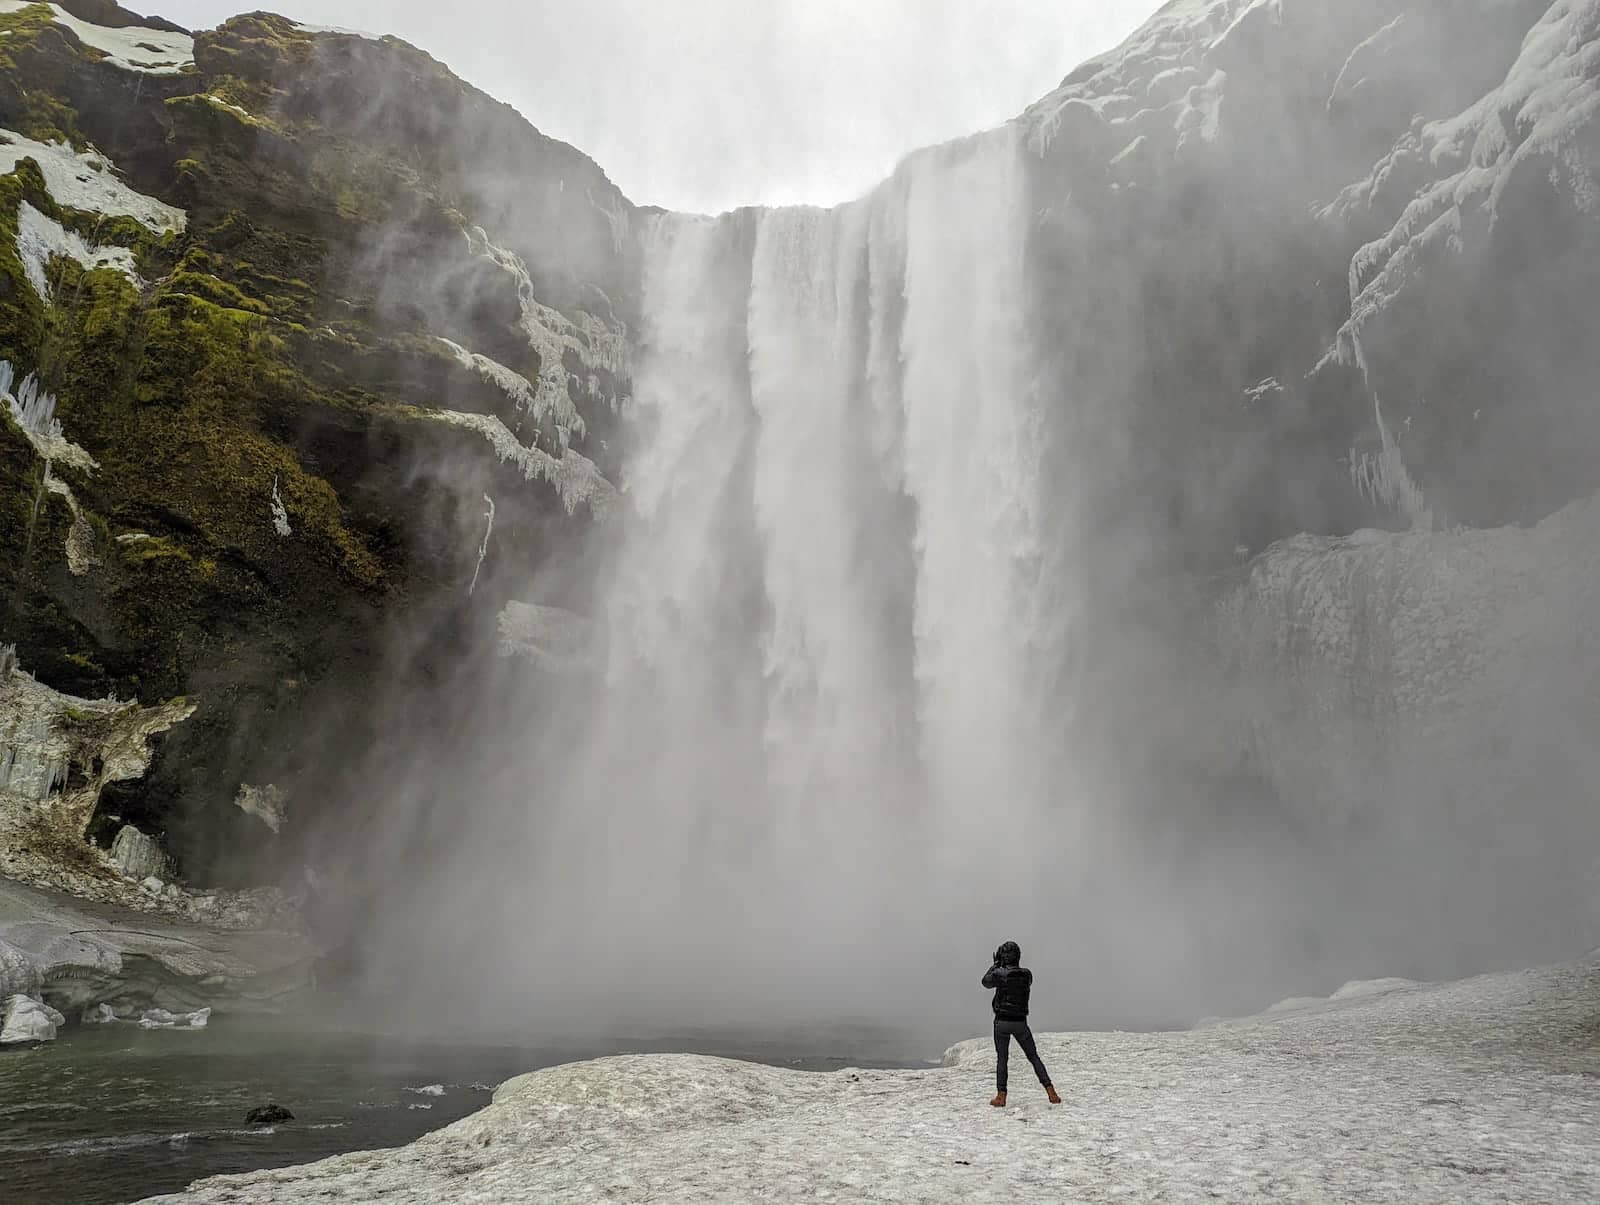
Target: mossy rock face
x=267, y=368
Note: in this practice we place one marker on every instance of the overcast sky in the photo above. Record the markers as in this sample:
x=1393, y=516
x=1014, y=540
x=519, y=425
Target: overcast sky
x=708, y=104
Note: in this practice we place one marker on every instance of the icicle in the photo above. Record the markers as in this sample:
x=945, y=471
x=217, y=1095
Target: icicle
x=483, y=549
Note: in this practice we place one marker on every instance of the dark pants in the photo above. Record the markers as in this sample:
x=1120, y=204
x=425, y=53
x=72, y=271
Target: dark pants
x=1004, y=1031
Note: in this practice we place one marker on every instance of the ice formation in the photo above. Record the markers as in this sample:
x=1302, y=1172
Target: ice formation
x=556, y=641
x=483, y=548
x=43, y=733
x=596, y=343
x=34, y=411
x=280, y=516
x=135, y=48
x=575, y=477
x=80, y=536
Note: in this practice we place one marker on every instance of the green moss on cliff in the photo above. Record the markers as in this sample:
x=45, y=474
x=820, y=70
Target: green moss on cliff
x=31, y=48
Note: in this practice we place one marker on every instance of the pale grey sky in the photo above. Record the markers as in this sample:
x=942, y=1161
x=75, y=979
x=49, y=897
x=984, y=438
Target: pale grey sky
x=708, y=104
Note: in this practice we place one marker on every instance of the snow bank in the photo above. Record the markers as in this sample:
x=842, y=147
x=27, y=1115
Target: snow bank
x=136, y=48
x=1486, y=1090
x=86, y=180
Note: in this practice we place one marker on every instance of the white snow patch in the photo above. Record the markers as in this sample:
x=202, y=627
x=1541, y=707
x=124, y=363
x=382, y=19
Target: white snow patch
x=338, y=30
x=87, y=180
x=40, y=237
x=136, y=48
x=230, y=106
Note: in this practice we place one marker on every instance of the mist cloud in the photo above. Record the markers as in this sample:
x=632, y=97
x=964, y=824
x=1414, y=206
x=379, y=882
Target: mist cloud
x=704, y=105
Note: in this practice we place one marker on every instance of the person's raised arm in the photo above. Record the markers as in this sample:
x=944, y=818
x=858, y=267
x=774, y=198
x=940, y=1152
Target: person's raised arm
x=990, y=977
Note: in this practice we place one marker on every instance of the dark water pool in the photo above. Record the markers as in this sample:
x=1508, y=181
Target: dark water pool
x=113, y=1114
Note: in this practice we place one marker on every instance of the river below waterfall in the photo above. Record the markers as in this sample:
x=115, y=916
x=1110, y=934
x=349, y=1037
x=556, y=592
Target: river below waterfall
x=118, y=1113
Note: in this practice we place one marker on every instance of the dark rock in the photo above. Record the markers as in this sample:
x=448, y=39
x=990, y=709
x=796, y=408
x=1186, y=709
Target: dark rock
x=267, y=1115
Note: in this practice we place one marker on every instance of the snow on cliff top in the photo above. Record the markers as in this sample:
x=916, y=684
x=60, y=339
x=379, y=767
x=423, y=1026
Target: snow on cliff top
x=340, y=30
x=1486, y=1090
x=136, y=48
x=1158, y=81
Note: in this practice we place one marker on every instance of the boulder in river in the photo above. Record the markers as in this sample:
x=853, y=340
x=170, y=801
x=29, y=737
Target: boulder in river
x=267, y=1115
x=28, y=1020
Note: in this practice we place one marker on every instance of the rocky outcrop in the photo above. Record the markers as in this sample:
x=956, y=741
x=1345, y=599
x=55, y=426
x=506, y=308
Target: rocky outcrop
x=293, y=353
x=137, y=856
x=58, y=753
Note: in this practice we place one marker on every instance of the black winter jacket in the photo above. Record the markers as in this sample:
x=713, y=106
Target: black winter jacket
x=1011, y=986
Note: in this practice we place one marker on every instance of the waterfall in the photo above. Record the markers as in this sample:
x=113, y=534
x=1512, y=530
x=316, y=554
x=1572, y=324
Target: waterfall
x=821, y=647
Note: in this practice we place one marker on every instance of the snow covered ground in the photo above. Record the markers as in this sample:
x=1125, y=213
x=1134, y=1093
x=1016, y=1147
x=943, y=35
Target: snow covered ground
x=1485, y=1090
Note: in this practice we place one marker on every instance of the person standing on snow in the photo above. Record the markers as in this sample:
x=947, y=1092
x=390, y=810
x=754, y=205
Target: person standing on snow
x=1012, y=982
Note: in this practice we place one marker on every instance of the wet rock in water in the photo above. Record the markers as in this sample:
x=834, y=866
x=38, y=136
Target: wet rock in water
x=137, y=855
x=267, y=1115
x=28, y=1020
x=160, y=1018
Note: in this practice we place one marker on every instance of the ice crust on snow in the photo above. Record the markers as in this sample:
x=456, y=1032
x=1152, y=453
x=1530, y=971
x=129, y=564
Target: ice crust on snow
x=86, y=180
x=1484, y=1090
x=136, y=48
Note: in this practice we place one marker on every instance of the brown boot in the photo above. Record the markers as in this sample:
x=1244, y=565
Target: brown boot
x=1049, y=1090
x=999, y=1100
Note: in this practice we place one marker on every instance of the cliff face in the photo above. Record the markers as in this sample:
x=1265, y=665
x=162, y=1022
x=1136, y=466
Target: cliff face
x=1168, y=392
x=295, y=381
